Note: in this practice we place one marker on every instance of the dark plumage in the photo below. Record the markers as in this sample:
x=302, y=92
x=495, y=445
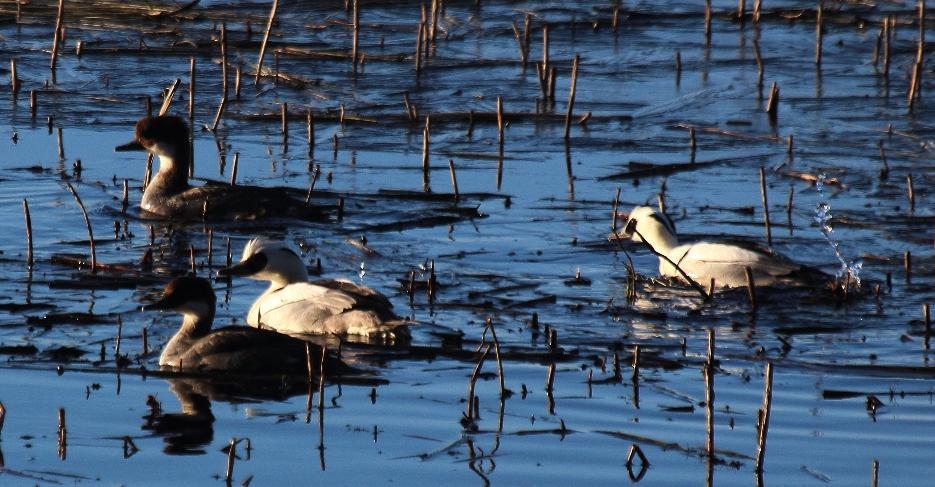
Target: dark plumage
x=198, y=348
x=169, y=194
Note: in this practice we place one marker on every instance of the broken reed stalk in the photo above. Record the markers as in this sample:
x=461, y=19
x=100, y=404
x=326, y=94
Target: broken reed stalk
x=310, y=132
x=419, y=41
x=496, y=349
x=469, y=413
x=33, y=103
x=87, y=222
x=231, y=455
x=875, y=473
x=741, y=10
x=636, y=363
x=119, y=338
x=685, y=275
x=757, y=6
x=910, y=192
x=500, y=121
x=454, y=179
x=708, y=371
x=915, y=82
x=14, y=78
x=707, y=19
x=550, y=379
x=234, y=168
x=772, y=104
x=284, y=120
x=2, y=415
x=927, y=321
x=145, y=341
x=191, y=92
x=678, y=67
x=62, y=433
x=426, y=132
x=751, y=288
x=544, y=67
x=888, y=25
x=57, y=36
x=61, y=145
x=269, y=27
x=224, y=91
x=885, y=170
x=520, y=43
x=763, y=418
x=571, y=94
x=759, y=66
x=819, y=25
x=769, y=233
x=356, y=39
x=29, y=258
x=613, y=217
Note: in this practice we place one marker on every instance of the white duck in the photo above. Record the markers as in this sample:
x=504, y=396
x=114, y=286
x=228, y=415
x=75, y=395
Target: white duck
x=725, y=261
x=291, y=304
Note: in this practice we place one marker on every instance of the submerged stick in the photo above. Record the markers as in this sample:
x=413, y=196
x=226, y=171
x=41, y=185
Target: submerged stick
x=751, y=288
x=234, y=168
x=14, y=78
x=819, y=26
x=454, y=178
x=764, y=413
x=87, y=222
x=769, y=233
x=231, y=455
x=469, y=413
x=500, y=120
x=496, y=347
x=708, y=371
x=56, y=36
x=571, y=95
x=426, y=133
x=224, y=91
x=29, y=259
x=269, y=27
x=356, y=39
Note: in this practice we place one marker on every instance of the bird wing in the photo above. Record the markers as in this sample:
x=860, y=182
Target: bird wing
x=303, y=302
x=365, y=297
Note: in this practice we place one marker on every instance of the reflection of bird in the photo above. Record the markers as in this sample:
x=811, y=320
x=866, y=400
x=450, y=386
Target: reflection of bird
x=185, y=432
x=198, y=348
x=725, y=262
x=169, y=195
x=293, y=305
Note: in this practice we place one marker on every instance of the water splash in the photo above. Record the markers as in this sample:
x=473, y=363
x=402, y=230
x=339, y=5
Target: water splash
x=849, y=269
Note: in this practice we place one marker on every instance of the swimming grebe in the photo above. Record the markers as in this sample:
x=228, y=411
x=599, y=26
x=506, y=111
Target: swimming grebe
x=724, y=261
x=169, y=195
x=198, y=348
x=291, y=304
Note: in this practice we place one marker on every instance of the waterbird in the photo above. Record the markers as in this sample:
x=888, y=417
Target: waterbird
x=195, y=347
x=292, y=304
x=169, y=194
x=725, y=261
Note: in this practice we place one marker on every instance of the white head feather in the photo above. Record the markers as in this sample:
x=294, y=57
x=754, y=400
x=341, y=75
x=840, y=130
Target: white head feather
x=283, y=264
x=655, y=228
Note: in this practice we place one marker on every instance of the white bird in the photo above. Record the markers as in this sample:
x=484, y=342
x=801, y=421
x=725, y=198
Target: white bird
x=725, y=262
x=291, y=304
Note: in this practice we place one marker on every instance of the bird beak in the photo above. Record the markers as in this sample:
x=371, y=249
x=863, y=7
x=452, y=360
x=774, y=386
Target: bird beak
x=167, y=302
x=630, y=228
x=255, y=263
x=130, y=147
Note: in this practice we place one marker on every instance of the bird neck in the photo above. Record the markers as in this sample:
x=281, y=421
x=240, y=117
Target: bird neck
x=196, y=325
x=173, y=172
x=661, y=240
